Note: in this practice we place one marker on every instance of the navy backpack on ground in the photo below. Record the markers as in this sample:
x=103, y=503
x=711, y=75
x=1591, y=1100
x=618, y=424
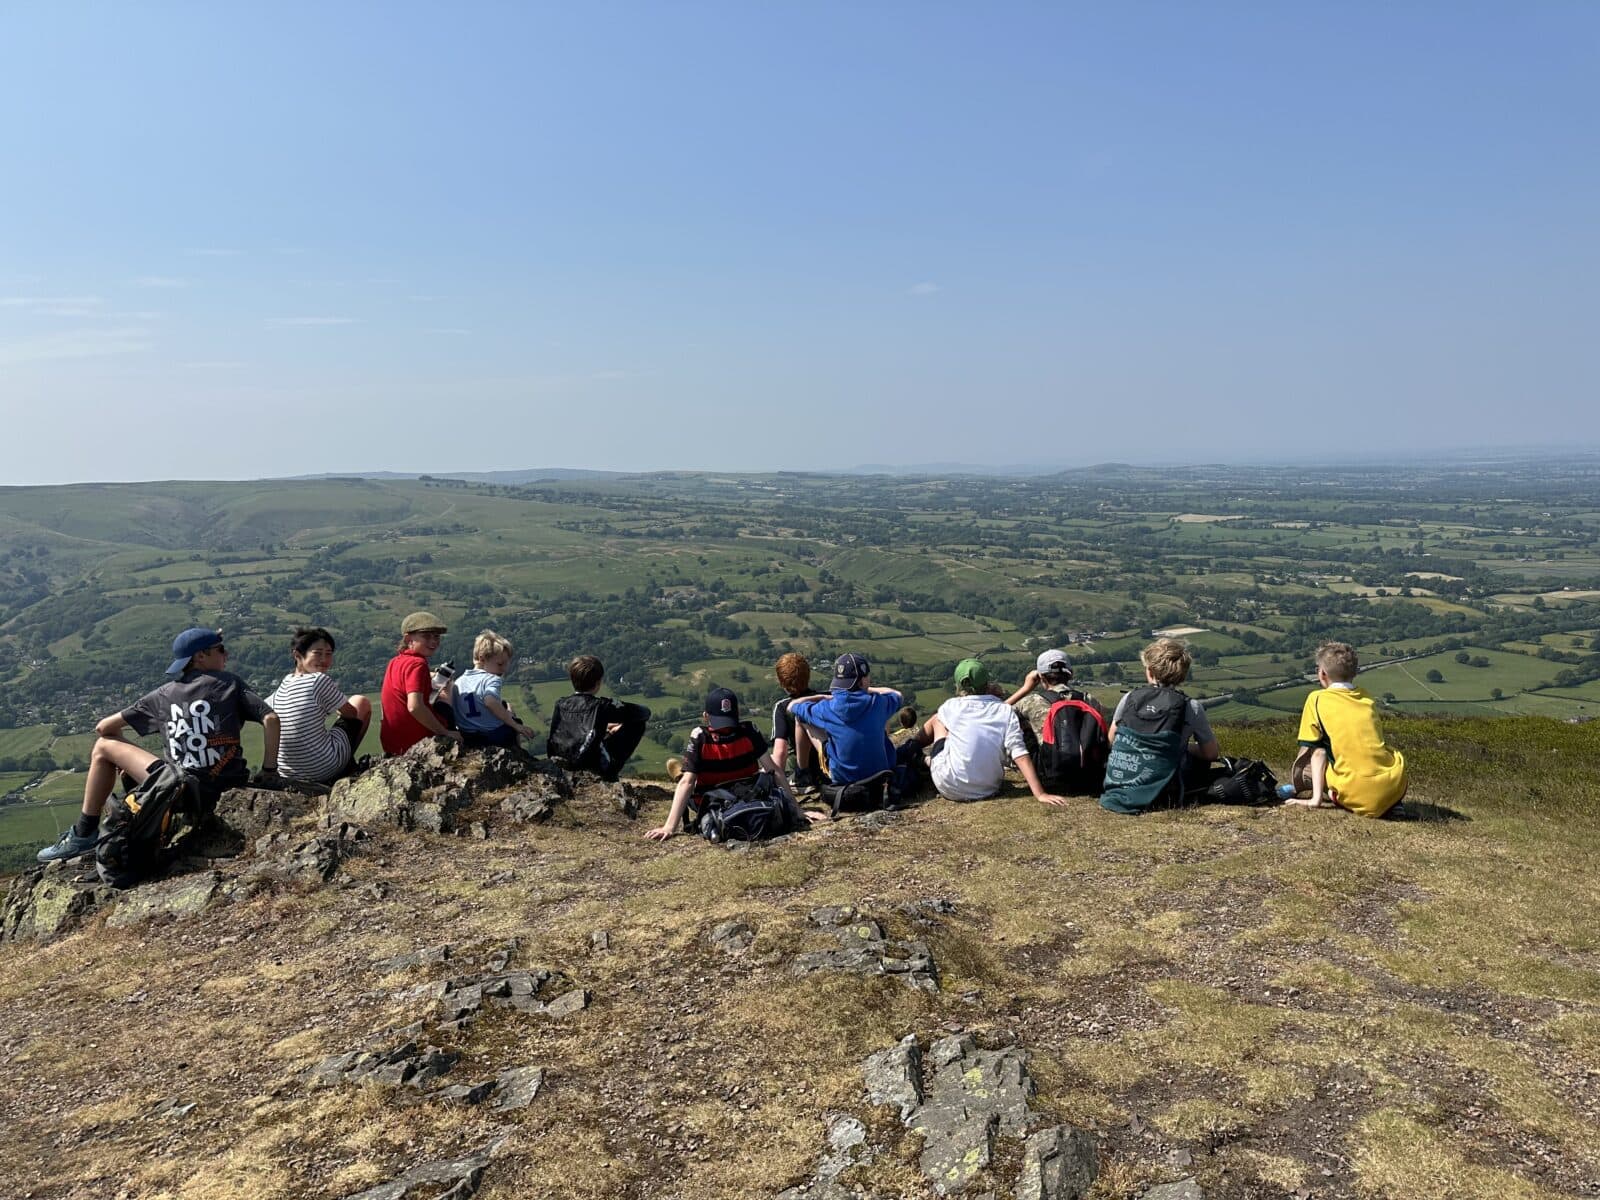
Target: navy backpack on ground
x=751, y=810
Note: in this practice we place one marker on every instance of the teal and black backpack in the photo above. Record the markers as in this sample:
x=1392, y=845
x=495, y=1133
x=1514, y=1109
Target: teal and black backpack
x=1145, y=768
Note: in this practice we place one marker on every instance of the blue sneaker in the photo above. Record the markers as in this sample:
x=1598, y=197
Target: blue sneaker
x=71, y=845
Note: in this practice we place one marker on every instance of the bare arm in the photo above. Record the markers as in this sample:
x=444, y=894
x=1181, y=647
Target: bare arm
x=111, y=727
x=501, y=713
x=1206, y=751
x=680, y=801
x=772, y=768
x=1031, y=778
x=271, y=727
x=1029, y=682
x=417, y=706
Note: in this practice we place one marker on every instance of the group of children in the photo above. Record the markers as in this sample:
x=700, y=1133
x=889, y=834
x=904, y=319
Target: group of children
x=839, y=738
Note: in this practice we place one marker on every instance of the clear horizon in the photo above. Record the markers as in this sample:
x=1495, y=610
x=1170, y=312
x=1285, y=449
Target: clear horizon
x=247, y=244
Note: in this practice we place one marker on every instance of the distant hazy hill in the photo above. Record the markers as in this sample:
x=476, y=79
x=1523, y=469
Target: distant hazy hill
x=530, y=475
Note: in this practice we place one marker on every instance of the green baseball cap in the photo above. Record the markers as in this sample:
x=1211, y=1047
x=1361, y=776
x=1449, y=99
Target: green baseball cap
x=972, y=675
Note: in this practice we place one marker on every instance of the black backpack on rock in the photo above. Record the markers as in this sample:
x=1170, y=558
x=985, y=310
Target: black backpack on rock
x=575, y=732
x=751, y=810
x=136, y=829
x=1073, y=747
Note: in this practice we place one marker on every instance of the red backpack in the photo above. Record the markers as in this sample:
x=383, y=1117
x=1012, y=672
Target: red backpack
x=1073, y=747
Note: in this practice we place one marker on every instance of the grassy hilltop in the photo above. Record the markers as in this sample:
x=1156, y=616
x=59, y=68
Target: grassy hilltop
x=1471, y=588
x=1276, y=1003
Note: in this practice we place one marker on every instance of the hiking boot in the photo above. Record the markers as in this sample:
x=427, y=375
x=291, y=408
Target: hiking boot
x=71, y=845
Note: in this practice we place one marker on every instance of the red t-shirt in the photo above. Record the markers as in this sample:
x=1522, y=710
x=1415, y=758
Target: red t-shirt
x=399, y=730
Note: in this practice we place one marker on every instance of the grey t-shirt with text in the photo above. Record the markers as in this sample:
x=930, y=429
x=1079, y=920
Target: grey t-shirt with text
x=199, y=716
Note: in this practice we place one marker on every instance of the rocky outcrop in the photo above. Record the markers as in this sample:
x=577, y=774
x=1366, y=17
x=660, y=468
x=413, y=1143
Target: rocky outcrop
x=452, y=1179
x=170, y=898
x=47, y=901
x=427, y=786
x=959, y=1098
x=255, y=840
x=864, y=950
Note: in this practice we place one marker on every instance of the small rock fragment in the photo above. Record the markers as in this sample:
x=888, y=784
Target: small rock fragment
x=518, y=1087
x=1058, y=1164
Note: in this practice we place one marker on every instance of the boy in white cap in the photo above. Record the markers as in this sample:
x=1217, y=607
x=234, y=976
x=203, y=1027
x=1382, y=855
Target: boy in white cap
x=200, y=709
x=1049, y=681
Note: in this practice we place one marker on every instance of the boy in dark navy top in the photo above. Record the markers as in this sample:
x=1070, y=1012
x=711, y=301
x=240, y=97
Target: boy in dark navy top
x=591, y=732
x=723, y=750
x=199, y=711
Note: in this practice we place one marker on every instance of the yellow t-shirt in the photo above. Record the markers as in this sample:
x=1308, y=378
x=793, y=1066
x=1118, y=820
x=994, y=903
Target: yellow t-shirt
x=1366, y=776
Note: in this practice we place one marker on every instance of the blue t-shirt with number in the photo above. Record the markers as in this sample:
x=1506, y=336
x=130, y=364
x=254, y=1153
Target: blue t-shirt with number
x=471, y=688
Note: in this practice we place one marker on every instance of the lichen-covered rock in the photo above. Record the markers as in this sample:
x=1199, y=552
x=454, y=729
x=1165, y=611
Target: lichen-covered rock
x=426, y=787
x=894, y=1076
x=864, y=950
x=1183, y=1189
x=1058, y=1164
x=243, y=816
x=174, y=899
x=970, y=1097
x=45, y=902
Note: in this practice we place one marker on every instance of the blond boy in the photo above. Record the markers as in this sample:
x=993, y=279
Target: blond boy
x=1343, y=758
x=1156, y=733
x=481, y=715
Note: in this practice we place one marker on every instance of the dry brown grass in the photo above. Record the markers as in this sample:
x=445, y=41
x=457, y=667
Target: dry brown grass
x=1414, y=1008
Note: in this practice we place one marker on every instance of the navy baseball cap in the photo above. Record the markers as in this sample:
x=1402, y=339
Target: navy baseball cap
x=189, y=643
x=848, y=672
x=722, y=708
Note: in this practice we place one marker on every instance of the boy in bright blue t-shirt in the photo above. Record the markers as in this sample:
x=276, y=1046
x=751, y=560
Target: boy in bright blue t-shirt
x=481, y=716
x=851, y=720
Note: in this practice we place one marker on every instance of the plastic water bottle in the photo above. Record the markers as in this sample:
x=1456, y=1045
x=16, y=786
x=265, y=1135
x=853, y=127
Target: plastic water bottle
x=1286, y=791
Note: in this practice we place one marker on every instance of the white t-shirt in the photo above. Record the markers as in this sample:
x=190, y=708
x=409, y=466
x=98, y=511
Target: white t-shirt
x=983, y=731
x=307, y=748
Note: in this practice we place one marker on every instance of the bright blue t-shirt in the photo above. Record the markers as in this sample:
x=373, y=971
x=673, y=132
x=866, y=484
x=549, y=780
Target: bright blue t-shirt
x=471, y=688
x=858, y=747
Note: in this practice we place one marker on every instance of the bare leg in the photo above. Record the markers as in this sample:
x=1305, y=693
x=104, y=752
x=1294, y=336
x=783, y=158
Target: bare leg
x=363, y=708
x=804, y=749
x=1317, y=774
x=932, y=730
x=109, y=756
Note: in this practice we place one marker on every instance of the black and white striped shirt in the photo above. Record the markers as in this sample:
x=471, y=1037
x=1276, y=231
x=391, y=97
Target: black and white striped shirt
x=308, y=749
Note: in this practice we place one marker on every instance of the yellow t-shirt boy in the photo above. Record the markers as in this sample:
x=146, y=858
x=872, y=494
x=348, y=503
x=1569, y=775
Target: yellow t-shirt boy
x=1364, y=774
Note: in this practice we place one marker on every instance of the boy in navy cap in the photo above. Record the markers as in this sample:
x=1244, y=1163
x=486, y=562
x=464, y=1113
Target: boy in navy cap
x=851, y=719
x=722, y=750
x=200, y=710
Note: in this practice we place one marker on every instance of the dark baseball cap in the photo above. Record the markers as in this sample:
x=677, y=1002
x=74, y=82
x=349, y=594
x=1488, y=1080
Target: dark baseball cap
x=848, y=672
x=722, y=708
x=189, y=643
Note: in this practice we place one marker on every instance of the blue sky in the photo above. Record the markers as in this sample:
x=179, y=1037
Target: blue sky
x=289, y=238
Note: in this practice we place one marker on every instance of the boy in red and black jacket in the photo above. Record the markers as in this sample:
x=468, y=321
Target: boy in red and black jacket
x=723, y=750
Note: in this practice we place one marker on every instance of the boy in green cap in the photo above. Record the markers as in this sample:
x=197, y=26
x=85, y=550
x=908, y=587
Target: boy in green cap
x=971, y=735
